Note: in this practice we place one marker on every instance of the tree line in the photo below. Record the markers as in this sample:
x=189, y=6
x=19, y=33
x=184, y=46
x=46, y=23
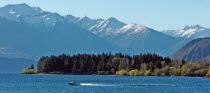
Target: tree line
x=120, y=64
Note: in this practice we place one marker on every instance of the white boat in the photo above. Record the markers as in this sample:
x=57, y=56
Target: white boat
x=73, y=83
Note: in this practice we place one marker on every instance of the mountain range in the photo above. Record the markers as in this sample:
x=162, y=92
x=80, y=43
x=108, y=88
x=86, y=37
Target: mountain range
x=30, y=32
x=195, y=31
x=31, y=35
x=130, y=37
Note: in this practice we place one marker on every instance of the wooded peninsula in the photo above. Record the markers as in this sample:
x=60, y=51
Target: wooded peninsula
x=122, y=64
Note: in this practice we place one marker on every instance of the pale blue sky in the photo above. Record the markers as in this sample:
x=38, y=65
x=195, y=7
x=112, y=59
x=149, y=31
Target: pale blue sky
x=157, y=14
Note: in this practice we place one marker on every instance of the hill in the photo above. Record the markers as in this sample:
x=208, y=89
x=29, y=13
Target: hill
x=193, y=51
x=14, y=65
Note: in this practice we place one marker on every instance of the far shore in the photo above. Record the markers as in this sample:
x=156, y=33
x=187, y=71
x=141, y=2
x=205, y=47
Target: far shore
x=61, y=74
x=109, y=75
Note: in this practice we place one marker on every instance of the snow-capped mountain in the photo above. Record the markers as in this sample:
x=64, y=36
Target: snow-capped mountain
x=77, y=33
x=107, y=27
x=132, y=29
x=30, y=15
x=34, y=42
x=194, y=31
x=136, y=38
x=99, y=27
x=86, y=22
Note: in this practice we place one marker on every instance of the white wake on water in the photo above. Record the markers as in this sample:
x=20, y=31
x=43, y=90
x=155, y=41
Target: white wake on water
x=92, y=84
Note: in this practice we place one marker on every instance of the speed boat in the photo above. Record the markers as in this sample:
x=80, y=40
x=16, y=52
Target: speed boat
x=73, y=83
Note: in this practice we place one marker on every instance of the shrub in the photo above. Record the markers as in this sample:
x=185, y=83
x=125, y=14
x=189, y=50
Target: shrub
x=163, y=74
x=134, y=73
x=189, y=69
x=201, y=72
x=117, y=73
x=147, y=73
x=158, y=72
x=29, y=71
x=99, y=72
x=24, y=71
x=102, y=72
x=208, y=74
x=141, y=73
x=122, y=72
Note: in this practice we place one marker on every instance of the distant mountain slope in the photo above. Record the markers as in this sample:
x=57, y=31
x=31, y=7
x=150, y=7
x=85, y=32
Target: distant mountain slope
x=195, y=31
x=137, y=38
x=15, y=64
x=193, y=51
x=10, y=52
x=71, y=18
x=35, y=38
x=86, y=22
x=100, y=27
x=131, y=37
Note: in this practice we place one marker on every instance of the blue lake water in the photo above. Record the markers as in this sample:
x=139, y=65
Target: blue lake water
x=17, y=83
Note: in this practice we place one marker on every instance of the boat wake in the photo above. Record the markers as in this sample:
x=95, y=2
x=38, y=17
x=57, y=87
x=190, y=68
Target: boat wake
x=91, y=84
x=151, y=85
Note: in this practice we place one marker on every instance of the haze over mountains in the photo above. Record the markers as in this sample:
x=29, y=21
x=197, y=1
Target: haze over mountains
x=15, y=65
x=30, y=32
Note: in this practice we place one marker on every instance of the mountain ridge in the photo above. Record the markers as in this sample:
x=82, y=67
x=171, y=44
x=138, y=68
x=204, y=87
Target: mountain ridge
x=15, y=65
x=36, y=41
x=116, y=33
x=195, y=50
x=193, y=31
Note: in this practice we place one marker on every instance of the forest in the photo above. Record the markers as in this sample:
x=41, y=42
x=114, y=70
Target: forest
x=121, y=64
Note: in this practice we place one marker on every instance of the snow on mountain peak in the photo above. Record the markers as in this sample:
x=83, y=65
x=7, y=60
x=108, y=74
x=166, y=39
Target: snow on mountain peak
x=34, y=15
x=21, y=9
x=107, y=27
x=196, y=27
x=186, y=27
x=194, y=31
x=113, y=22
x=132, y=28
x=30, y=15
x=86, y=22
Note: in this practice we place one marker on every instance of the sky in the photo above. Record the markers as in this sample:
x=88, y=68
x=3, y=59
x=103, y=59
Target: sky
x=156, y=14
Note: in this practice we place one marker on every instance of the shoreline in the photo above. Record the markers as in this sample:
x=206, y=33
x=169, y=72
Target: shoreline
x=112, y=75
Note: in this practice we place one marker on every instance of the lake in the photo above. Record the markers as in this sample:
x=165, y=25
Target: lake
x=18, y=83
